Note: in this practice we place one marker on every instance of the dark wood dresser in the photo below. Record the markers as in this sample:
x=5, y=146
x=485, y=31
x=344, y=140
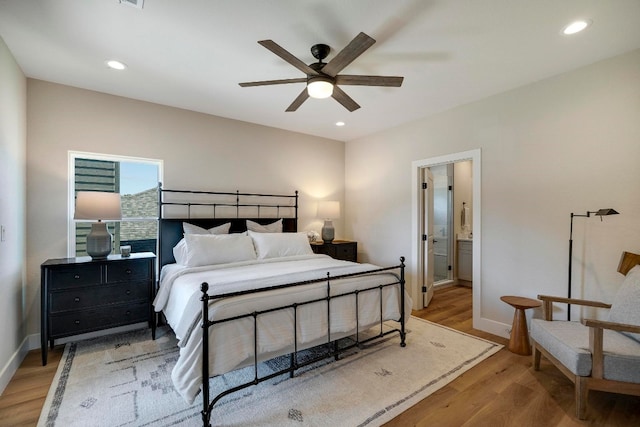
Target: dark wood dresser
x=339, y=249
x=82, y=295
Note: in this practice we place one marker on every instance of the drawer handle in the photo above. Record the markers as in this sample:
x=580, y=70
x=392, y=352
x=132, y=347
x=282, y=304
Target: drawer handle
x=77, y=276
x=128, y=271
x=128, y=313
x=77, y=322
x=77, y=299
x=128, y=292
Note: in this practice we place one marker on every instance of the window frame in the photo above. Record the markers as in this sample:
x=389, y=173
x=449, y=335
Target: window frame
x=72, y=156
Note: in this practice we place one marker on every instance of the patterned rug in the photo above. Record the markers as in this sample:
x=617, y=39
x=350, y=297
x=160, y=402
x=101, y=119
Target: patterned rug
x=124, y=380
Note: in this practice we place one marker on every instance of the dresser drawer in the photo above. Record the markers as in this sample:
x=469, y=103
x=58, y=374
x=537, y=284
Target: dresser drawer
x=338, y=249
x=346, y=252
x=327, y=249
x=126, y=271
x=80, y=321
x=96, y=296
x=74, y=276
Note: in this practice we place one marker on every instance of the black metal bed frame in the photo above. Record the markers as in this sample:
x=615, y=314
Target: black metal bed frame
x=168, y=238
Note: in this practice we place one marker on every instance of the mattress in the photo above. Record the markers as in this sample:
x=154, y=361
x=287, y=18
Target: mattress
x=232, y=343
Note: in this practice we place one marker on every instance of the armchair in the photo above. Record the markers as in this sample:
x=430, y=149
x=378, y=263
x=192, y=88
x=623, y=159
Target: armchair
x=595, y=354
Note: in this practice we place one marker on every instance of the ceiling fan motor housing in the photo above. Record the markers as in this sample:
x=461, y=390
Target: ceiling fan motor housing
x=320, y=51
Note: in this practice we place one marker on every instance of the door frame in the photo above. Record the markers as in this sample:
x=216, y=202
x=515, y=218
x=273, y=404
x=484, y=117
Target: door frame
x=416, y=166
x=425, y=269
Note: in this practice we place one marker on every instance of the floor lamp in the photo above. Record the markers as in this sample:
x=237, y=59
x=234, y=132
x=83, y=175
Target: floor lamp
x=600, y=213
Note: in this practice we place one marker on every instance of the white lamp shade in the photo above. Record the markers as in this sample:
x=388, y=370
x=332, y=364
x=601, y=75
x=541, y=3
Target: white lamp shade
x=319, y=87
x=95, y=205
x=328, y=209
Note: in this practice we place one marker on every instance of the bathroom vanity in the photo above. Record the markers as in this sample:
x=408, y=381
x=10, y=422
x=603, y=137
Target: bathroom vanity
x=465, y=259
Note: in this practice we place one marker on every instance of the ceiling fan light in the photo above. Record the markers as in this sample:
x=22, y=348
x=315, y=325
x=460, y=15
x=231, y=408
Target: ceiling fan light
x=320, y=87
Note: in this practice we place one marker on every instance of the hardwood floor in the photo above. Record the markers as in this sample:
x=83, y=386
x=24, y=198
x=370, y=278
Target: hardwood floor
x=22, y=400
x=501, y=391
x=504, y=390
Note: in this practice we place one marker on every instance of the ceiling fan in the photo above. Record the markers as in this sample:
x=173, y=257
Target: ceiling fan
x=322, y=78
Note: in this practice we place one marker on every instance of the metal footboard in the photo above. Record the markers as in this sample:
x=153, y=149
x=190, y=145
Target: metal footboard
x=332, y=349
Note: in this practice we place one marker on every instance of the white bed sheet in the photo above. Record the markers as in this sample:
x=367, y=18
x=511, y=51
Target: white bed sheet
x=232, y=343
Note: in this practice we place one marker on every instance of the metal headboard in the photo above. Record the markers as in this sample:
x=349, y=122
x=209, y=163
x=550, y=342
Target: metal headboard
x=212, y=208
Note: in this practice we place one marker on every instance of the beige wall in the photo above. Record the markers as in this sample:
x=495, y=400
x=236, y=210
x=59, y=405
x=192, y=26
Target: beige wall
x=566, y=144
x=463, y=185
x=13, y=142
x=199, y=152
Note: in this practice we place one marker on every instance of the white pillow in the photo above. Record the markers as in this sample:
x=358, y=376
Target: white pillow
x=212, y=249
x=275, y=245
x=194, y=229
x=624, y=308
x=180, y=250
x=274, y=227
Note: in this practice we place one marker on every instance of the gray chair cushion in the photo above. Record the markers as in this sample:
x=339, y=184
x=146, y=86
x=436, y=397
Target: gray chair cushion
x=626, y=304
x=569, y=343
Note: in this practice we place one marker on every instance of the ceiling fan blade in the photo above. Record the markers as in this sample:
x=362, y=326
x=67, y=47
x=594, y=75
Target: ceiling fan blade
x=274, y=82
x=344, y=99
x=282, y=53
x=355, y=48
x=298, y=101
x=391, y=81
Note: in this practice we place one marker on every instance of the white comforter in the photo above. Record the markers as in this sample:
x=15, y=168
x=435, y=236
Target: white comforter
x=232, y=343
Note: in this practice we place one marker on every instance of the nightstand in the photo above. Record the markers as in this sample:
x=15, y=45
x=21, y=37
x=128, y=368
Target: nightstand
x=80, y=295
x=338, y=249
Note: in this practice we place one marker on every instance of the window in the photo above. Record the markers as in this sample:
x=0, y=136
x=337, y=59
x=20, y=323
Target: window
x=137, y=182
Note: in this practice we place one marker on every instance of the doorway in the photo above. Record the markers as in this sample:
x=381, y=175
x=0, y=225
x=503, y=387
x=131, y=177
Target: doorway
x=418, y=266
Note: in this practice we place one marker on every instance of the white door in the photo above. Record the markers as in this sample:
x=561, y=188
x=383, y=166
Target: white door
x=427, y=255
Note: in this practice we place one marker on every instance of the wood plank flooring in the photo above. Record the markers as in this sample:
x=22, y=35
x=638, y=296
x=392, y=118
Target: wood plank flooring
x=501, y=391
x=504, y=390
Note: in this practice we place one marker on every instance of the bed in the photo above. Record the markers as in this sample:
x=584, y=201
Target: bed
x=237, y=261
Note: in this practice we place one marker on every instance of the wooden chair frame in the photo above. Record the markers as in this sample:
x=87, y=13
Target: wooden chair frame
x=596, y=330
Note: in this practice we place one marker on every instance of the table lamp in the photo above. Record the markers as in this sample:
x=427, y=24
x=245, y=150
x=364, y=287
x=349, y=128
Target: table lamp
x=328, y=210
x=95, y=205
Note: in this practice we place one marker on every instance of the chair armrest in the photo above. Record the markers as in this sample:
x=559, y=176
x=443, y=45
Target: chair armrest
x=596, y=340
x=547, y=301
x=620, y=327
x=574, y=301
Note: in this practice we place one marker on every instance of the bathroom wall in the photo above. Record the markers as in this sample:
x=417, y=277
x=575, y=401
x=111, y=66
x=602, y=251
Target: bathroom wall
x=462, y=180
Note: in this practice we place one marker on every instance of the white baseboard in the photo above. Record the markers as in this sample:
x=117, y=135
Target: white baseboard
x=491, y=326
x=9, y=370
x=32, y=342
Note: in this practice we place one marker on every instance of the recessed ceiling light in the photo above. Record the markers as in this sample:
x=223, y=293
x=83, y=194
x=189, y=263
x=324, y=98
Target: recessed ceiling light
x=576, y=26
x=339, y=123
x=116, y=65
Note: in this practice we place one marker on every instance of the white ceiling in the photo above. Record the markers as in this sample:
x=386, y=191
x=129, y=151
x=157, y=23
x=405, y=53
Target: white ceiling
x=193, y=53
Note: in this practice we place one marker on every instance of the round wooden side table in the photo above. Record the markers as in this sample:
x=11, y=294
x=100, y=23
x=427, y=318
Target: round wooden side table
x=519, y=341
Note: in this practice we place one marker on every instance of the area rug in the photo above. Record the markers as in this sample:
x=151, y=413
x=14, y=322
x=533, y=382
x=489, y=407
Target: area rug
x=124, y=380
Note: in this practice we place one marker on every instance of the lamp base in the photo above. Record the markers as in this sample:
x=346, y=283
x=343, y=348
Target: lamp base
x=99, y=241
x=328, y=231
